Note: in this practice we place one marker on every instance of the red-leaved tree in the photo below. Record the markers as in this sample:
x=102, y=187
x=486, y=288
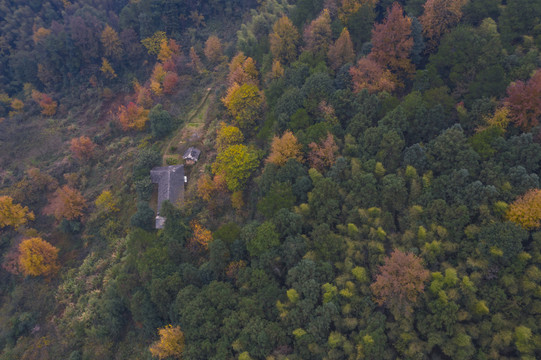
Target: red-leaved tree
x=524, y=101
x=323, y=155
x=400, y=281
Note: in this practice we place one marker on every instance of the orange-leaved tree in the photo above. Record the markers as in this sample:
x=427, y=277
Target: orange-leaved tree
x=213, y=49
x=392, y=42
x=369, y=74
x=47, y=104
x=67, y=203
x=438, y=18
x=13, y=215
x=110, y=41
x=524, y=101
x=132, y=117
x=242, y=70
x=195, y=63
x=82, y=148
x=341, y=52
x=38, y=257
x=209, y=189
x=400, y=281
x=171, y=343
x=323, y=155
x=526, y=210
x=284, y=148
x=317, y=35
x=284, y=40
x=201, y=237
x=277, y=70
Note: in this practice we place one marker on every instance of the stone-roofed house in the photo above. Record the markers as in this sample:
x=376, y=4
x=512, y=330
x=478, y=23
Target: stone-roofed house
x=191, y=155
x=170, y=180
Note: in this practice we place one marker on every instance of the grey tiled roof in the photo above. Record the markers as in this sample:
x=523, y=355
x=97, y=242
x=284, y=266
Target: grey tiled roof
x=170, y=180
x=192, y=154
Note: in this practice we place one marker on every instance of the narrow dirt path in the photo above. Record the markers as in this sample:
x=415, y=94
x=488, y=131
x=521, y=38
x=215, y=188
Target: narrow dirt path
x=195, y=117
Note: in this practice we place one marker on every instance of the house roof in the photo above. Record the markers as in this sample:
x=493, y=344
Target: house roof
x=160, y=222
x=192, y=154
x=170, y=180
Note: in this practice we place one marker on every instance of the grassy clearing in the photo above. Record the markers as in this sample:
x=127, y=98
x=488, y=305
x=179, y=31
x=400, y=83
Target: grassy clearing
x=196, y=118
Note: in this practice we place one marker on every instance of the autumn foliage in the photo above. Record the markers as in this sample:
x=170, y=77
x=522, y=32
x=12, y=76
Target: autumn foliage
x=400, y=281
x=38, y=257
x=201, y=237
x=196, y=63
x=47, y=104
x=234, y=267
x=82, y=147
x=111, y=43
x=107, y=69
x=67, y=203
x=323, y=155
x=154, y=42
x=317, y=35
x=213, y=49
x=236, y=163
x=392, y=42
x=208, y=188
x=228, y=135
x=170, y=82
x=13, y=215
x=105, y=202
x=244, y=103
x=132, y=117
x=284, y=40
x=242, y=70
x=526, y=210
x=341, y=52
x=524, y=101
x=370, y=75
x=171, y=343
x=438, y=18
x=284, y=148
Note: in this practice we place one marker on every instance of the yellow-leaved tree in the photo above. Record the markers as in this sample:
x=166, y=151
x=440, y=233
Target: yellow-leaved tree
x=38, y=257
x=228, y=135
x=526, y=210
x=171, y=343
x=105, y=202
x=13, y=215
x=236, y=163
x=153, y=44
x=244, y=103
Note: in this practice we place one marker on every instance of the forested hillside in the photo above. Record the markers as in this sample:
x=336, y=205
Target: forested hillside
x=368, y=185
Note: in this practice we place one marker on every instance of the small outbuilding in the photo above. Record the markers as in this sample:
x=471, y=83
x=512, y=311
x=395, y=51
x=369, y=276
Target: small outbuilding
x=191, y=155
x=170, y=180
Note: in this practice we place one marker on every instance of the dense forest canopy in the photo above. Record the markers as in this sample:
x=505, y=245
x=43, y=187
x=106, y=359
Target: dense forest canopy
x=368, y=184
